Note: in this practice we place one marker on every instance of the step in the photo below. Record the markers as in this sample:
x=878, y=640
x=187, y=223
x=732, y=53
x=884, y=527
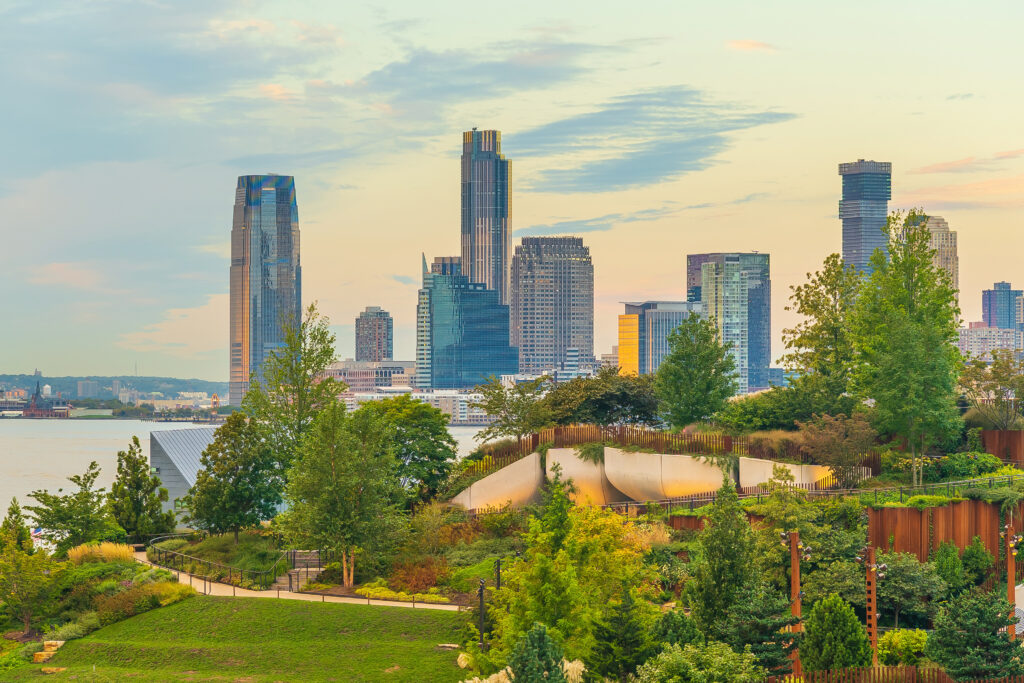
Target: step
x=52, y=645
x=40, y=657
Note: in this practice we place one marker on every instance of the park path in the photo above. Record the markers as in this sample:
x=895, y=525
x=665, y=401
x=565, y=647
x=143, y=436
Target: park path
x=207, y=587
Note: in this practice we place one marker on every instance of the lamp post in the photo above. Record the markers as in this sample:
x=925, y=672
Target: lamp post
x=1012, y=542
x=873, y=572
x=480, y=592
x=797, y=551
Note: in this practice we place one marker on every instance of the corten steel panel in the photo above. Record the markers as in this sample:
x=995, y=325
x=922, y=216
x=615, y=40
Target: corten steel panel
x=921, y=531
x=592, y=486
x=1005, y=444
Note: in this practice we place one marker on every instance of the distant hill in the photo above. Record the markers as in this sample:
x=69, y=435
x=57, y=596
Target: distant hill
x=68, y=386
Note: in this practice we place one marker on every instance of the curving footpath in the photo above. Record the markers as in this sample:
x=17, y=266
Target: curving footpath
x=207, y=587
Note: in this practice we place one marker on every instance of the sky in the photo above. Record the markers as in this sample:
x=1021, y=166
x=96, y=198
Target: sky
x=652, y=130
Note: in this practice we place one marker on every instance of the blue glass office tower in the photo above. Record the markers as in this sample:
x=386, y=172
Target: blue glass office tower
x=867, y=189
x=486, y=249
x=462, y=330
x=999, y=306
x=266, y=278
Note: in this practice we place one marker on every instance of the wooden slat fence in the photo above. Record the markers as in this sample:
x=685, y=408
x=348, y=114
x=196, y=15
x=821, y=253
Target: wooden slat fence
x=881, y=674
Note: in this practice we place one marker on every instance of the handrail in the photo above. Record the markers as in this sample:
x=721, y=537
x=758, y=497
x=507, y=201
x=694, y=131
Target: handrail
x=257, y=577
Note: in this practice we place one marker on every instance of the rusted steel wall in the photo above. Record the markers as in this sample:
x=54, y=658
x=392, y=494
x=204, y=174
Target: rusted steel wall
x=1004, y=444
x=908, y=530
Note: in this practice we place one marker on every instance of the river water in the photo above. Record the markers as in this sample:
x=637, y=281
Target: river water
x=41, y=454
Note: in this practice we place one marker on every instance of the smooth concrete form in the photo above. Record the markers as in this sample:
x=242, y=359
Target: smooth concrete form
x=516, y=484
x=592, y=486
x=754, y=471
x=653, y=476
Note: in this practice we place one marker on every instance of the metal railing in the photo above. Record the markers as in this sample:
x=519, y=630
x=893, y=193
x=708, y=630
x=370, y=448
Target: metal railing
x=215, y=571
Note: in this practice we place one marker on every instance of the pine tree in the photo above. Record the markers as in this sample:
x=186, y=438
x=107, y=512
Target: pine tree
x=136, y=495
x=833, y=637
x=758, y=620
x=622, y=641
x=967, y=640
x=536, y=658
x=674, y=627
x=949, y=567
x=977, y=561
x=14, y=529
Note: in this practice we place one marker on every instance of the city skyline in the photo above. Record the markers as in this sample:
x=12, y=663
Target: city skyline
x=615, y=134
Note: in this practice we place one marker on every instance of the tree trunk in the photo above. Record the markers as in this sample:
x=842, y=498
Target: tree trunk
x=26, y=619
x=350, y=577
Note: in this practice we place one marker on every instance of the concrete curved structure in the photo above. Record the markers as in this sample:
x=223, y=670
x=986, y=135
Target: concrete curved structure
x=516, y=484
x=592, y=485
x=754, y=471
x=653, y=476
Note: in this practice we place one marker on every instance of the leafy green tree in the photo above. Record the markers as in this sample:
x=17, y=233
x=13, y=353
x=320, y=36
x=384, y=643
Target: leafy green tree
x=537, y=657
x=833, y=637
x=902, y=646
x=343, y=494
x=842, y=577
x=14, y=529
x=622, y=640
x=516, y=410
x=820, y=347
x=674, y=627
x=697, y=376
x=909, y=586
x=239, y=482
x=136, y=494
x=722, y=566
x=968, y=640
x=421, y=441
x=713, y=662
x=776, y=408
x=839, y=442
x=992, y=387
x=977, y=561
x=905, y=333
x=608, y=398
x=949, y=567
x=294, y=386
x=757, y=622
x=68, y=520
x=25, y=582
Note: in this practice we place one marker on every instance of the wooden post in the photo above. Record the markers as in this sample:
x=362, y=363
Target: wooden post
x=794, y=590
x=872, y=616
x=1011, y=578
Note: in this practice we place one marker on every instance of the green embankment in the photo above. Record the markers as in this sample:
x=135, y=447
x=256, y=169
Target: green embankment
x=262, y=639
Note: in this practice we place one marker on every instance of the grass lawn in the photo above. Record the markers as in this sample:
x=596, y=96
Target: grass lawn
x=263, y=639
x=254, y=551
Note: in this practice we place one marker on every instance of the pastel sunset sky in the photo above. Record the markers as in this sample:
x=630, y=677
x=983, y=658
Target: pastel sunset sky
x=651, y=129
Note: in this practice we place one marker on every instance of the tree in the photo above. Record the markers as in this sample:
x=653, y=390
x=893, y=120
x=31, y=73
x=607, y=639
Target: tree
x=820, y=347
x=75, y=518
x=294, y=386
x=697, y=376
x=516, y=410
x=757, y=622
x=421, y=442
x=622, y=641
x=343, y=494
x=14, y=529
x=949, y=567
x=995, y=388
x=977, y=561
x=908, y=586
x=675, y=628
x=537, y=657
x=25, y=582
x=968, y=641
x=840, y=443
x=842, y=577
x=902, y=646
x=833, y=637
x=239, y=482
x=608, y=398
x=722, y=566
x=905, y=333
x=136, y=494
x=711, y=663
x=776, y=408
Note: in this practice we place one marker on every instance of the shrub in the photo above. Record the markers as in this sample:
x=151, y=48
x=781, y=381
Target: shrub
x=85, y=625
x=503, y=522
x=101, y=552
x=977, y=561
x=173, y=544
x=902, y=646
x=591, y=452
x=968, y=465
x=463, y=555
x=378, y=590
x=153, y=575
x=139, y=599
x=466, y=579
x=777, y=442
x=418, y=576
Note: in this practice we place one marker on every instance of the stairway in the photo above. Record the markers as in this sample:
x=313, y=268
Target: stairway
x=305, y=567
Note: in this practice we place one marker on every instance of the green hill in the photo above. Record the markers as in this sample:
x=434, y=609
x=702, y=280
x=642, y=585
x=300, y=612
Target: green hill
x=263, y=639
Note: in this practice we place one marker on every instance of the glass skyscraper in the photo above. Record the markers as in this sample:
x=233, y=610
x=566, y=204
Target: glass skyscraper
x=552, y=304
x=485, y=238
x=462, y=330
x=643, y=333
x=999, y=306
x=867, y=189
x=736, y=293
x=266, y=278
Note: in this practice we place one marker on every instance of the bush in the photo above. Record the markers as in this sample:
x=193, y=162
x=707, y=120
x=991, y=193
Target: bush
x=101, y=552
x=777, y=442
x=414, y=577
x=503, y=522
x=902, y=646
x=466, y=579
x=154, y=575
x=968, y=465
x=378, y=590
x=85, y=625
x=463, y=555
x=139, y=599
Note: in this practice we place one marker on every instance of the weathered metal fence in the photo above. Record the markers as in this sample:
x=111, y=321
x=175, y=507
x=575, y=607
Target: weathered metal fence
x=885, y=674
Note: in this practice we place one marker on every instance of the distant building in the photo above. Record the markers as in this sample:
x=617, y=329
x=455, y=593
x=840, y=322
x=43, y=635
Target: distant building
x=266, y=277
x=43, y=405
x=999, y=306
x=88, y=388
x=736, y=294
x=375, y=334
x=485, y=237
x=174, y=457
x=457, y=405
x=552, y=305
x=979, y=340
x=368, y=375
x=864, y=209
x=643, y=333
x=462, y=330
x=610, y=360
x=943, y=241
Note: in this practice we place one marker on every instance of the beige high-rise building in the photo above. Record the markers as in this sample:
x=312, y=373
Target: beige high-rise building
x=944, y=243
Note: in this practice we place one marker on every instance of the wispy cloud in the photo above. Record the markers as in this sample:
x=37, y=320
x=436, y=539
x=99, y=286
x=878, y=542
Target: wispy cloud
x=1010, y=154
x=750, y=46
x=403, y=279
x=184, y=332
x=965, y=165
x=960, y=96
x=221, y=249
x=636, y=140
x=77, y=275
x=993, y=193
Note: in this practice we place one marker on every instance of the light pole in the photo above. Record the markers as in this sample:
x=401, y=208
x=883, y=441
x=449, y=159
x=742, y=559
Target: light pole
x=874, y=572
x=797, y=551
x=480, y=592
x=1012, y=541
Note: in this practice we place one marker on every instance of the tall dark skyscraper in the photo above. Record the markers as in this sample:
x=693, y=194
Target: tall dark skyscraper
x=462, y=330
x=552, y=303
x=266, y=278
x=485, y=239
x=374, y=335
x=867, y=189
x=736, y=293
x=999, y=306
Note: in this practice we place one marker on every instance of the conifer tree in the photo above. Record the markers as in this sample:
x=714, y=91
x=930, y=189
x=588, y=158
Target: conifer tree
x=833, y=637
x=136, y=495
x=977, y=561
x=758, y=620
x=674, y=627
x=967, y=640
x=537, y=657
x=949, y=567
x=622, y=642
x=14, y=529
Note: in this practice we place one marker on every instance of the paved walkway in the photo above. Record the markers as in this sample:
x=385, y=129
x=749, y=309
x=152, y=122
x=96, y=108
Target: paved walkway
x=224, y=590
